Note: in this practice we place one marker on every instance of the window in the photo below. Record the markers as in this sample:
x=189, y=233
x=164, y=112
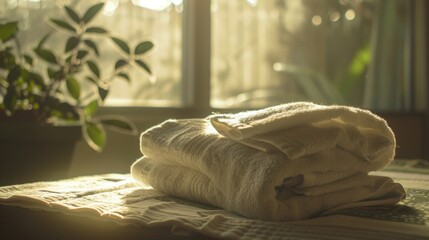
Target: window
x=355, y=52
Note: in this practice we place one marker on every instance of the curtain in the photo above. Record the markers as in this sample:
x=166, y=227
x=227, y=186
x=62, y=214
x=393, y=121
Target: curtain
x=395, y=80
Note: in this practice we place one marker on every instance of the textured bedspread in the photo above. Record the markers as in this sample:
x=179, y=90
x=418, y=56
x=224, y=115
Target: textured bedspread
x=118, y=198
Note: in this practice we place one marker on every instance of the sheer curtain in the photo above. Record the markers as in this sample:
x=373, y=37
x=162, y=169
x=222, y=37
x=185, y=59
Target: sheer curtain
x=364, y=53
x=396, y=79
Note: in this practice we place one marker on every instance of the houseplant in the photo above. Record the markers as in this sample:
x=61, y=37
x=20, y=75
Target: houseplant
x=45, y=88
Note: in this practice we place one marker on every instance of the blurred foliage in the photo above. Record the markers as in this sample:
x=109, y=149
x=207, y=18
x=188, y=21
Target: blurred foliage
x=51, y=91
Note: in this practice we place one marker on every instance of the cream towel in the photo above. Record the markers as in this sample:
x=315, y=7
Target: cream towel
x=190, y=159
x=301, y=128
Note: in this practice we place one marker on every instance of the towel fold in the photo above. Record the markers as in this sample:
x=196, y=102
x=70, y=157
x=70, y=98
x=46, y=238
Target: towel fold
x=301, y=128
x=261, y=165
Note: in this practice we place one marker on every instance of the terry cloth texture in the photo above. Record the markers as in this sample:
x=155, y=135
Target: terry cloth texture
x=287, y=162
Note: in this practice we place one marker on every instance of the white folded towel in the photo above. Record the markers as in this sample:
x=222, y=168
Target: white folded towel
x=315, y=170
x=301, y=128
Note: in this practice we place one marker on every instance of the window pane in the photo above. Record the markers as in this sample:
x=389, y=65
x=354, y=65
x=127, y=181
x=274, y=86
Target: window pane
x=131, y=20
x=334, y=51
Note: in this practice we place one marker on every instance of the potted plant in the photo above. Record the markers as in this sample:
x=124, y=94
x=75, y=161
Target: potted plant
x=42, y=92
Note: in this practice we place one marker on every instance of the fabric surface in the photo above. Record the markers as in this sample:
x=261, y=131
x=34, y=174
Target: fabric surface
x=317, y=163
x=119, y=198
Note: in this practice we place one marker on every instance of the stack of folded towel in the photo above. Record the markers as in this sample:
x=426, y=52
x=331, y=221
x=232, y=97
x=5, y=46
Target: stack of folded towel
x=288, y=162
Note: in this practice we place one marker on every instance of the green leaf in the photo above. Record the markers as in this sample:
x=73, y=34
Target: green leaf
x=8, y=30
x=28, y=59
x=120, y=63
x=92, y=80
x=82, y=54
x=91, y=108
x=63, y=25
x=94, y=135
x=73, y=87
x=24, y=74
x=124, y=76
x=119, y=124
x=72, y=14
x=92, y=45
x=43, y=41
x=94, y=68
x=143, y=65
x=38, y=80
x=143, y=47
x=91, y=12
x=122, y=45
x=10, y=99
x=355, y=71
x=64, y=110
x=72, y=43
x=14, y=74
x=7, y=60
x=102, y=92
x=46, y=55
x=96, y=30
x=51, y=73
